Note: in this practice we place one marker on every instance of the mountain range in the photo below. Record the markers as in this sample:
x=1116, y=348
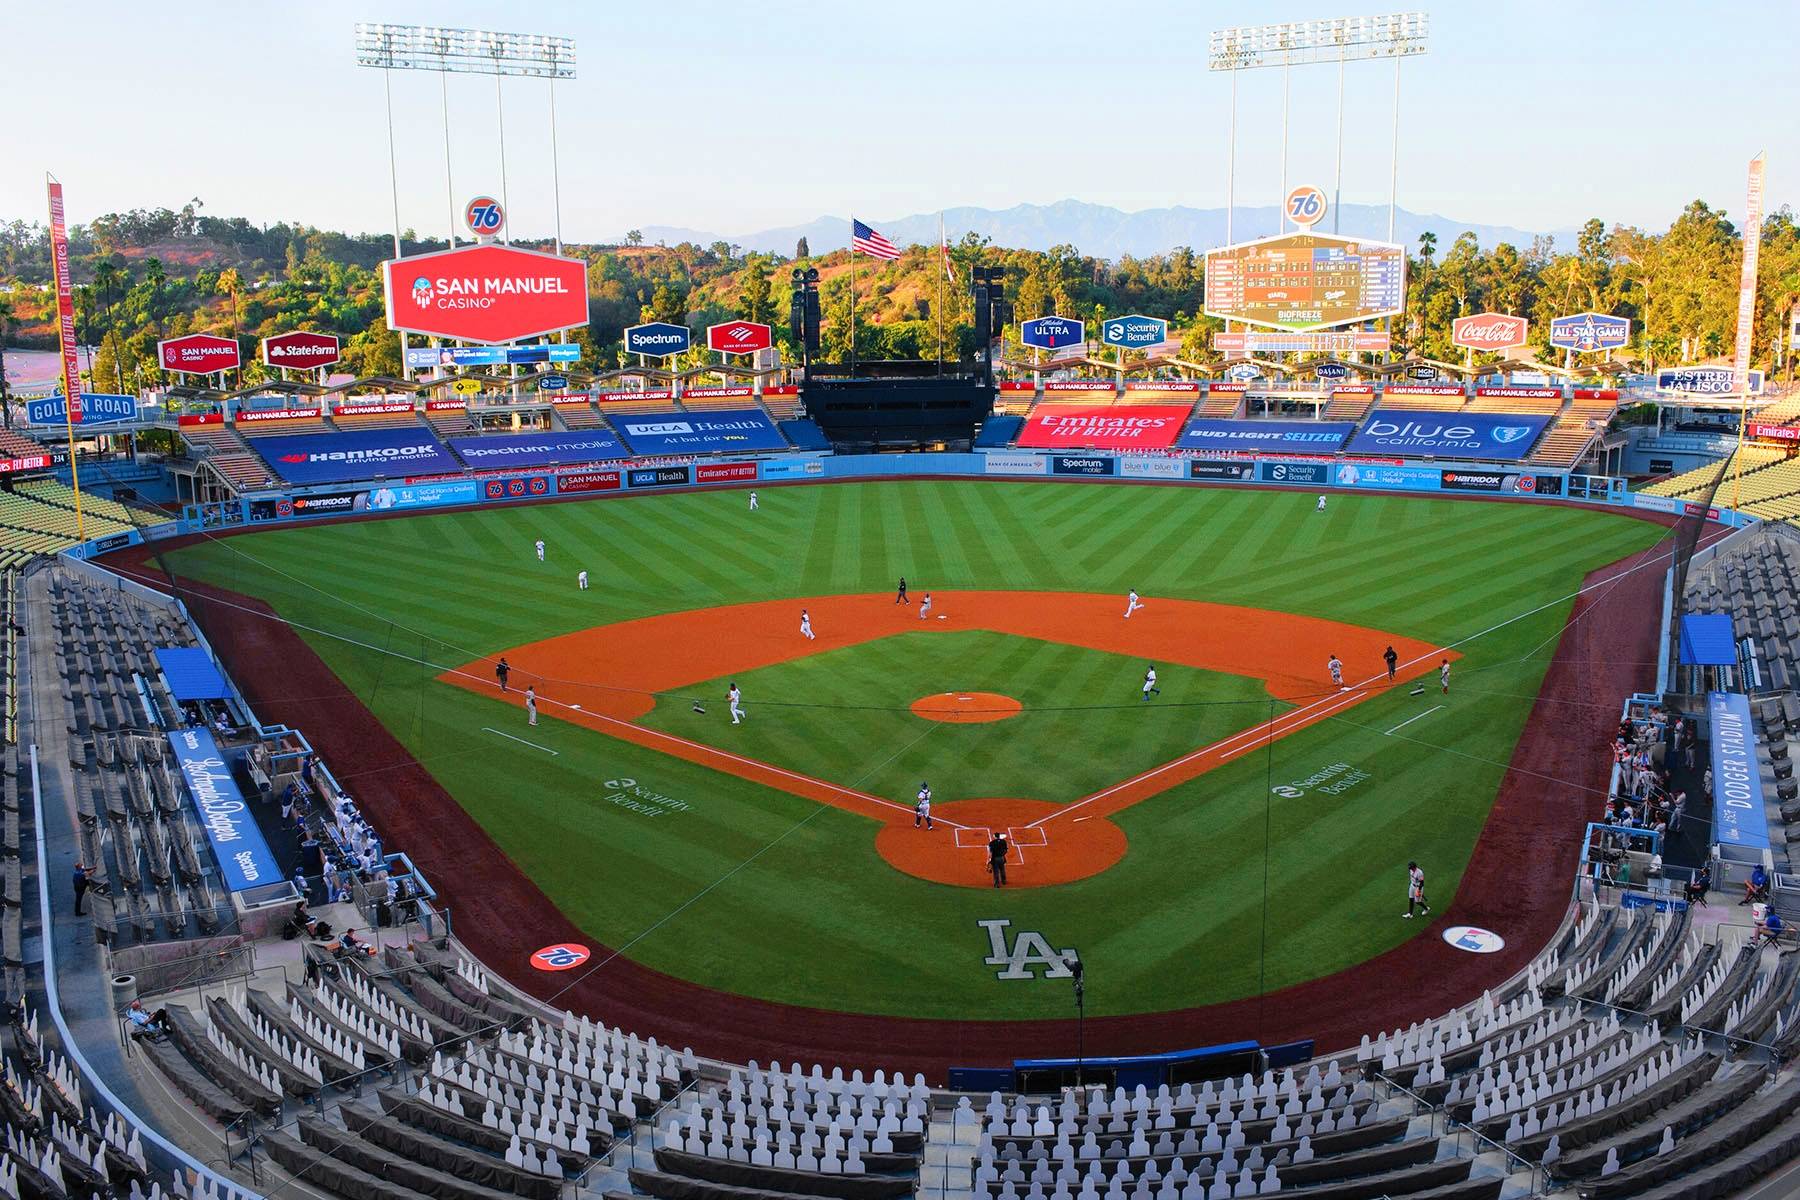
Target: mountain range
x=1101, y=230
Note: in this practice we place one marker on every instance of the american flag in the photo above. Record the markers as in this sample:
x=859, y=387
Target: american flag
x=869, y=242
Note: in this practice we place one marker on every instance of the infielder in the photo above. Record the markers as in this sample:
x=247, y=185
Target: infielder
x=752, y=501
x=540, y=549
x=1337, y=671
x=1132, y=603
x=1415, y=890
x=806, y=625
x=922, y=810
x=1444, y=676
x=925, y=606
x=735, y=698
x=530, y=704
x=1150, y=682
x=581, y=581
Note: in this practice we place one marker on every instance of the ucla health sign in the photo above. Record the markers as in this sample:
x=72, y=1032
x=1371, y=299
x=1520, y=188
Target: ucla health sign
x=95, y=408
x=362, y=454
x=731, y=429
x=244, y=858
x=1739, y=818
x=1503, y=437
x=1277, y=437
x=1134, y=332
x=506, y=451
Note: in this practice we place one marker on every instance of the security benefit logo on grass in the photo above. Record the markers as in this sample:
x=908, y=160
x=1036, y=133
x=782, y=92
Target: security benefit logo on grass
x=1028, y=951
x=1333, y=780
x=632, y=796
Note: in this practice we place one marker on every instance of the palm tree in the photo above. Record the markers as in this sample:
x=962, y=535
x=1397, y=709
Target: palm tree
x=6, y=319
x=107, y=280
x=230, y=284
x=1427, y=245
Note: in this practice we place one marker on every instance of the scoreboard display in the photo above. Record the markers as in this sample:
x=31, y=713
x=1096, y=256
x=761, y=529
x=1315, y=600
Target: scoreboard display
x=1306, y=281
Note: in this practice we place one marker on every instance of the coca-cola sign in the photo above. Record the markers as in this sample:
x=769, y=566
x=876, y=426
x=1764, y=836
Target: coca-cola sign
x=1497, y=332
x=300, y=351
x=488, y=294
x=199, y=354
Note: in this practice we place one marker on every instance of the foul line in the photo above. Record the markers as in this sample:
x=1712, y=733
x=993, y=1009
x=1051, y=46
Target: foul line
x=520, y=740
x=1410, y=720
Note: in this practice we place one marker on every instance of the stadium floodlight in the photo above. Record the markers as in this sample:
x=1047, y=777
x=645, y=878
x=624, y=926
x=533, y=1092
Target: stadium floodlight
x=1300, y=43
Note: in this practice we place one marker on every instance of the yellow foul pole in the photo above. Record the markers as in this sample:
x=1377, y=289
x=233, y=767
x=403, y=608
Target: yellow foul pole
x=65, y=320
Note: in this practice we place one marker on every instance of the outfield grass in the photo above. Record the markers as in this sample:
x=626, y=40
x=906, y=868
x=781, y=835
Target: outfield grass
x=789, y=901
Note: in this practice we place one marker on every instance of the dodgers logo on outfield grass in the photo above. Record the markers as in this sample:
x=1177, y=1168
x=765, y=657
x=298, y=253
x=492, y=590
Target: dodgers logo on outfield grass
x=1029, y=949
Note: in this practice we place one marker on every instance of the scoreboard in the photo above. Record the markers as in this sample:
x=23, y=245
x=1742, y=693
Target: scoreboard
x=1306, y=281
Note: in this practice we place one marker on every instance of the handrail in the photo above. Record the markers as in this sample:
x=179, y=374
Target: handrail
x=53, y=1000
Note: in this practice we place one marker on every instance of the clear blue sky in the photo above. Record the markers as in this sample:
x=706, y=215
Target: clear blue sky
x=732, y=117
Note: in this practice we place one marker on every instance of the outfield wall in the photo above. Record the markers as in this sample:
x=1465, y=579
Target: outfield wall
x=1330, y=473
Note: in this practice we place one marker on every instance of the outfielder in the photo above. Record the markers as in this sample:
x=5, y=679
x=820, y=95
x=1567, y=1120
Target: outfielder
x=1150, y=682
x=806, y=626
x=752, y=501
x=540, y=549
x=1321, y=507
x=1415, y=890
x=1444, y=676
x=581, y=581
x=1132, y=603
x=530, y=704
x=735, y=698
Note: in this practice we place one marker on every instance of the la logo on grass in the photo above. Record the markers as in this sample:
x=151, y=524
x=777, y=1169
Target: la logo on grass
x=1028, y=950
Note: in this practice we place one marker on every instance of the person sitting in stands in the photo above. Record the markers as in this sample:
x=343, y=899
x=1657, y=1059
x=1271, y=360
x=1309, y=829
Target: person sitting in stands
x=352, y=946
x=1756, y=887
x=1770, y=927
x=146, y=1024
x=222, y=722
x=303, y=922
x=1698, y=886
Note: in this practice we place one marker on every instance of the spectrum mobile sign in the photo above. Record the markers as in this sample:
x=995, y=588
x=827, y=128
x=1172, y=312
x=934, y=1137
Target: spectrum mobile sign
x=485, y=294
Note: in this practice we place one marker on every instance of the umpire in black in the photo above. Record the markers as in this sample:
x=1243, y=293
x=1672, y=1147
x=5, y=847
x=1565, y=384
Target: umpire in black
x=997, y=851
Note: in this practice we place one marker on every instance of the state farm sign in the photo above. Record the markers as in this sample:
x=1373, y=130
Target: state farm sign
x=300, y=351
x=485, y=294
x=738, y=337
x=1488, y=331
x=199, y=354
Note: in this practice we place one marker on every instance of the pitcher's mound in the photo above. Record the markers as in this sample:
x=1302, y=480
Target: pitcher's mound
x=966, y=708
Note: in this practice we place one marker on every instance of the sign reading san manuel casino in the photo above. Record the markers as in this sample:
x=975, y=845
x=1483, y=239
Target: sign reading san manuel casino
x=199, y=354
x=485, y=294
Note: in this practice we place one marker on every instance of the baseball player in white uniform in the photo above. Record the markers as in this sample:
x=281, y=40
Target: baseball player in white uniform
x=735, y=698
x=752, y=501
x=1415, y=890
x=925, y=606
x=1150, y=682
x=1321, y=507
x=1337, y=670
x=1444, y=676
x=806, y=625
x=581, y=580
x=922, y=810
x=1132, y=603
x=540, y=549
x=530, y=704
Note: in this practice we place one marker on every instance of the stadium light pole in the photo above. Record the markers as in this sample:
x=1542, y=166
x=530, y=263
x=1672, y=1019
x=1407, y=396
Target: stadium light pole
x=1300, y=43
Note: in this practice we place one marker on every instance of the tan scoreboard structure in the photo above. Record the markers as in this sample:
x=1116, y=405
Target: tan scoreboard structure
x=1306, y=281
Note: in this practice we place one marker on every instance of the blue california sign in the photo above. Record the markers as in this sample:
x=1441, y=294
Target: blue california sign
x=658, y=339
x=1134, y=332
x=1590, y=331
x=1052, y=332
x=96, y=408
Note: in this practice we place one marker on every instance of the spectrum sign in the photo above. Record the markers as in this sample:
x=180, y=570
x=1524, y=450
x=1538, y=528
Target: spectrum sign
x=658, y=339
x=485, y=294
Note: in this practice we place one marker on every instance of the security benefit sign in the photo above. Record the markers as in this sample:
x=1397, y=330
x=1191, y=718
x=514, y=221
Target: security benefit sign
x=1104, y=426
x=1501, y=437
x=244, y=858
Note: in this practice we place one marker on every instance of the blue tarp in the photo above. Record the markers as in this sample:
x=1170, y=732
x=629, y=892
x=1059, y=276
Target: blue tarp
x=244, y=858
x=191, y=674
x=997, y=433
x=1708, y=641
x=1739, y=818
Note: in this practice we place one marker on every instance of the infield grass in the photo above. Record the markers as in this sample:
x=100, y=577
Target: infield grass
x=756, y=891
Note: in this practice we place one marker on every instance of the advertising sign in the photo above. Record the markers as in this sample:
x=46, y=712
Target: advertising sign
x=1052, y=333
x=1494, y=482
x=646, y=477
x=1780, y=433
x=1421, y=371
x=1738, y=816
x=791, y=468
x=1422, y=389
x=1332, y=370
x=589, y=481
x=1402, y=432
x=322, y=504
x=360, y=454
x=244, y=858
x=1705, y=381
x=28, y=462
x=516, y=488
x=1520, y=393
x=1152, y=468
x=658, y=339
x=1234, y=472
x=508, y=451
x=1134, y=332
x=249, y=416
x=724, y=472
x=1379, y=475
x=92, y=408
x=1258, y=341
x=1746, y=308
x=1105, y=427
x=1265, y=437
x=378, y=408
x=466, y=387
x=484, y=217
x=1004, y=462
x=1305, y=206
x=552, y=383
x=1294, y=474
x=1092, y=464
x=725, y=429
x=65, y=299
x=488, y=293
x=301, y=351
x=1305, y=281
x=493, y=356
x=424, y=495
x=1491, y=331
x=739, y=337
x=186, y=420
x=1590, y=331
x=199, y=354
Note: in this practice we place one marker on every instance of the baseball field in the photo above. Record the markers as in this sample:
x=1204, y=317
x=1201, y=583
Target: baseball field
x=1243, y=830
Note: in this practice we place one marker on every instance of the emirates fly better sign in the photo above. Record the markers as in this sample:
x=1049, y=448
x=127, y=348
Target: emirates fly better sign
x=487, y=294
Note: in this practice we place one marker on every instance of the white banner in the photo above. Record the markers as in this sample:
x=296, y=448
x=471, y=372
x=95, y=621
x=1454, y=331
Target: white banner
x=1746, y=315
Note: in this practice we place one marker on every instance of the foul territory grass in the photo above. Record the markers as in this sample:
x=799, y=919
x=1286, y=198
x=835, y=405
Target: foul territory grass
x=789, y=901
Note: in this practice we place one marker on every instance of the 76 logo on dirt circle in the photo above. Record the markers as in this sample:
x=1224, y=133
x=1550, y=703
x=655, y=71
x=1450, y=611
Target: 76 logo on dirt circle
x=560, y=957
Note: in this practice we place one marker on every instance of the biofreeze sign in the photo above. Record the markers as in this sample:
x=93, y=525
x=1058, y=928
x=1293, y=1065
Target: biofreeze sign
x=244, y=858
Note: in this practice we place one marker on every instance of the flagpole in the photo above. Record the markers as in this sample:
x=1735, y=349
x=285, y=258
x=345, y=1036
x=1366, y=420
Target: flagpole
x=943, y=254
x=853, y=295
